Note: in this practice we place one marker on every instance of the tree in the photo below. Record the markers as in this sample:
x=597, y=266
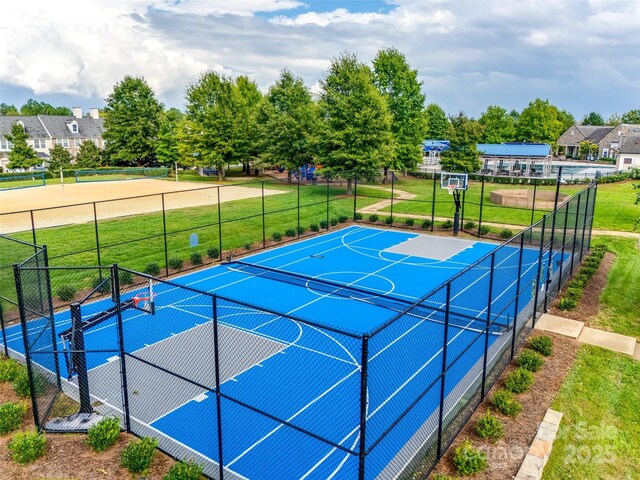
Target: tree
x=6, y=109
x=246, y=136
x=89, y=155
x=614, y=119
x=593, y=118
x=632, y=116
x=288, y=120
x=33, y=107
x=207, y=134
x=463, y=155
x=22, y=155
x=355, y=137
x=498, y=125
x=167, y=150
x=59, y=158
x=399, y=85
x=566, y=119
x=588, y=149
x=540, y=122
x=438, y=126
x=132, y=122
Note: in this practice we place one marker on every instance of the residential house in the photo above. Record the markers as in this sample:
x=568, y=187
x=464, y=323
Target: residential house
x=45, y=131
x=606, y=137
x=629, y=154
x=515, y=159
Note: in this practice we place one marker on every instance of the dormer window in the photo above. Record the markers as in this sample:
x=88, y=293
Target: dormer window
x=73, y=126
x=20, y=123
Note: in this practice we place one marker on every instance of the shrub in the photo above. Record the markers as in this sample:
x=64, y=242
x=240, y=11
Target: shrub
x=152, y=269
x=506, y=234
x=301, y=230
x=409, y=222
x=323, y=224
x=484, y=230
x=343, y=218
x=519, y=381
x=357, y=216
x=11, y=416
x=290, y=232
x=447, y=224
x=21, y=384
x=530, y=360
x=373, y=218
x=542, y=344
x=26, y=447
x=176, y=263
x=196, y=258
x=137, y=455
x=103, y=434
x=334, y=222
x=277, y=236
x=469, y=460
x=490, y=427
x=426, y=224
x=442, y=476
x=567, y=303
x=66, y=293
x=469, y=225
x=126, y=278
x=388, y=220
x=314, y=227
x=104, y=288
x=188, y=470
x=9, y=369
x=213, y=252
x=247, y=246
x=506, y=403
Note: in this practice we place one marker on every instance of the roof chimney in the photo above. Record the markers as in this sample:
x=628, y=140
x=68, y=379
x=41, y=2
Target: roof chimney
x=94, y=113
x=77, y=112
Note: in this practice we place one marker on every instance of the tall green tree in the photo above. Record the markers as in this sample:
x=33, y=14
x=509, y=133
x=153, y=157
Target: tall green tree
x=614, y=119
x=89, y=155
x=288, y=121
x=59, y=157
x=399, y=85
x=632, y=116
x=355, y=137
x=167, y=150
x=207, y=136
x=593, y=118
x=33, y=107
x=438, y=125
x=22, y=155
x=463, y=155
x=132, y=123
x=540, y=122
x=247, y=136
x=498, y=125
x=6, y=109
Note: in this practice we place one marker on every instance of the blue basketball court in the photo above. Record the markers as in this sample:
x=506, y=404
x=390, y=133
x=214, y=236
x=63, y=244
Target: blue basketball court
x=292, y=349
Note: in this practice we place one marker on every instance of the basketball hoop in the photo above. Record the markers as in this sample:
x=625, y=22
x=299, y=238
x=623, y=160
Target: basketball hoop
x=451, y=188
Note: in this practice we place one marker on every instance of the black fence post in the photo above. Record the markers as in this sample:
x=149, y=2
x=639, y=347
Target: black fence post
x=443, y=375
x=4, y=334
x=95, y=224
x=584, y=224
x=433, y=202
x=54, y=340
x=517, y=301
x=363, y=406
x=264, y=220
x=591, y=213
x=216, y=359
x=575, y=234
x=558, y=181
x=538, y=280
x=298, y=209
x=219, y=224
x=564, y=239
x=25, y=338
x=393, y=176
x=355, y=197
x=464, y=195
x=327, y=219
x=549, y=277
x=115, y=278
x=164, y=235
x=481, y=206
x=486, y=332
x=533, y=203
x=79, y=358
x=33, y=228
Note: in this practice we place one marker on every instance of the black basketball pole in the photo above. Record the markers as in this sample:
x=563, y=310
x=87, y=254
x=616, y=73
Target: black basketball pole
x=80, y=359
x=456, y=216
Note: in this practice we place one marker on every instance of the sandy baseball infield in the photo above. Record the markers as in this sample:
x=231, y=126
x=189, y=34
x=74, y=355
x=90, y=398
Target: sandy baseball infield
x=61, y=201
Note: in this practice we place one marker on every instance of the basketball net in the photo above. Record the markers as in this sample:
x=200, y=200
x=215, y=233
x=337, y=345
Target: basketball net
x=451, y=189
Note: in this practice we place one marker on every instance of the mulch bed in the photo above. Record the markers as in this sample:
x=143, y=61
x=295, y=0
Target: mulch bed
x=506, y=455
x=589, y=302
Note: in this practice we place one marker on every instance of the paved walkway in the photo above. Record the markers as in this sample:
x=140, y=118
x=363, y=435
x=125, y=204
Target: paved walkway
x=575, y=329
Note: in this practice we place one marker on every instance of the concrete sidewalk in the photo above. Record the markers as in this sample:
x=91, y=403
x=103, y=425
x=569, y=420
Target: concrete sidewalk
x=591, y=336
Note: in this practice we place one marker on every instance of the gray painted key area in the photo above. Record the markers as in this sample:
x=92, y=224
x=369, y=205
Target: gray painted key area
x=438, y=248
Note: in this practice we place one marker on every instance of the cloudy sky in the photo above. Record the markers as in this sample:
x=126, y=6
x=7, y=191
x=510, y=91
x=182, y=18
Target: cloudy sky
x=582, y=55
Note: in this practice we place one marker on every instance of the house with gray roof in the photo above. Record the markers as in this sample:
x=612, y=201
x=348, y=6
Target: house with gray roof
x=606, y=137
x=629, y=155
x=45, y=131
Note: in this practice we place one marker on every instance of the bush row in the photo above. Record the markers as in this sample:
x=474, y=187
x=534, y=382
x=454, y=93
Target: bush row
x=575, y=289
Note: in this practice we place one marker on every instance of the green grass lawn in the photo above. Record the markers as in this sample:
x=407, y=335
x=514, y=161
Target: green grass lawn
x=620, y=299
x=22, y=182
x=599, y=436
